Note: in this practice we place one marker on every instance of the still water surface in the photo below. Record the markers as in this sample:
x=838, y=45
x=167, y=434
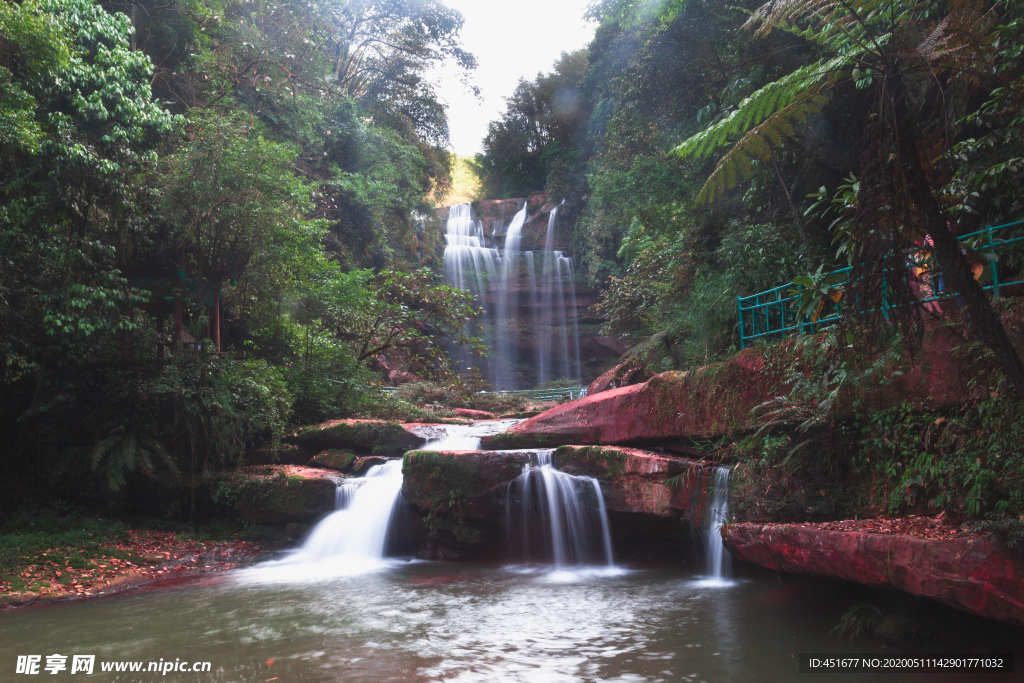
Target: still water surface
x=454, y=622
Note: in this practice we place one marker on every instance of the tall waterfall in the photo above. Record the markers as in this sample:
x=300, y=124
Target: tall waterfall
x=506, y=282
x=553, y=515
x=717, y=561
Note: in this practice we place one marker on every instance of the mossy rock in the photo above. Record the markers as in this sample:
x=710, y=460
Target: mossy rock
x=363, y=436
x=463, y=532
x=507, y=441
x=273, y=499
x=442, y=482
x=460, y=482
x=334, y=459
x=363, y=465
x=592, y=461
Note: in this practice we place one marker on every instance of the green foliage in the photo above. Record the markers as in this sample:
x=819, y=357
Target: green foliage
x=859, y=618
x=538, y=133
x=122, y=454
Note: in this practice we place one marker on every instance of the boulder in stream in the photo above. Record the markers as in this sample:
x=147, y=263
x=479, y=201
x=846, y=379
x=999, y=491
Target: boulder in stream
x=377, y=437
x=338, y=459
x=709, y=402
x=632, y=371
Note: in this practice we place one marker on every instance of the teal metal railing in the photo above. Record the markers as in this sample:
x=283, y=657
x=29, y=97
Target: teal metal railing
x=560, y=394
x=773, y=313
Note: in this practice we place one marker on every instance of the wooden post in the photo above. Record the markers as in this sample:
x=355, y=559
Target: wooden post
x=216, y=318
x=177, y=323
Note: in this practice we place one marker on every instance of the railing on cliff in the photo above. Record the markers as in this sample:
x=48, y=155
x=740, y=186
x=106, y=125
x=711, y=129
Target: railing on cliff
x=773, y=313
x=559, y=394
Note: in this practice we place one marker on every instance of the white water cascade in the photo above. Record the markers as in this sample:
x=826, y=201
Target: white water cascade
x=460, y=437
x=717, y=561
x=558, y=516
x=505, y=282
x=351, y=539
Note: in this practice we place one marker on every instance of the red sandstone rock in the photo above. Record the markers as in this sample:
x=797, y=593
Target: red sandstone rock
x=977, y=575
x=633, y=371
x=635, y=479
x=475, y=414
x=717, y=400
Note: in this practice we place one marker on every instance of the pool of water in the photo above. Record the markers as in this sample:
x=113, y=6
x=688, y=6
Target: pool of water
x=424, y=621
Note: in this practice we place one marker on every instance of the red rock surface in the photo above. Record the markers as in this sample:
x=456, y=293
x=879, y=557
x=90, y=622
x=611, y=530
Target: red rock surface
x=976, y=574
x=717, y=400
x=635, y=479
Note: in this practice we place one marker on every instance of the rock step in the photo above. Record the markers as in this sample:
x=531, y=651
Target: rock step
x=976, y=574
x=634, y=480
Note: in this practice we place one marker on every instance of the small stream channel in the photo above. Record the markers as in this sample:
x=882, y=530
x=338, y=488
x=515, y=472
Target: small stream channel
x=338, y=609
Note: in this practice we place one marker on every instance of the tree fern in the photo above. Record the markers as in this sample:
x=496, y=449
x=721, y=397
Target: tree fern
x=757, y=143
x=119, y=454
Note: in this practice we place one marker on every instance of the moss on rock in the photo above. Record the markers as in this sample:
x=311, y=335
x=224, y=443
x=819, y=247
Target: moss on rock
x=595, y=461
x=379, y=437
x=334, y=459
x=444, y=483
x=265, y=496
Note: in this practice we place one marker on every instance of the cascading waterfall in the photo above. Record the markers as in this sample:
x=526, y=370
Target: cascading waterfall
x=504, y=282
x=717, y=561
x=557, y=516
x=350, y=540
x=506, y=327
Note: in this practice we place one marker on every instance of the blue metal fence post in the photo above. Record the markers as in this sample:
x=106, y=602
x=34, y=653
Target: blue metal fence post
x=994, y=265
x=739, y=309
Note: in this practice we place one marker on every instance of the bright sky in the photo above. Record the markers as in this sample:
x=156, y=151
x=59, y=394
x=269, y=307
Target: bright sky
x=511, y=40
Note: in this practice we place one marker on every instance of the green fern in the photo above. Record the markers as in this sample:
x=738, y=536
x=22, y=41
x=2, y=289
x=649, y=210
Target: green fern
x=758, y=143
x=121, y=454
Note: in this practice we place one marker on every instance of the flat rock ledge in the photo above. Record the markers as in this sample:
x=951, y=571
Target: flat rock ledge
x=633, y=481
x=977, y=575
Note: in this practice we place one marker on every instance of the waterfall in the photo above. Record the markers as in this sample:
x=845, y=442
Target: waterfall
x=507, y=328
x=557, y=516
x=717, y=560
x=507, y=281
x=350, y=540
x=460, y=437
x=358, y=530
x=471, y=266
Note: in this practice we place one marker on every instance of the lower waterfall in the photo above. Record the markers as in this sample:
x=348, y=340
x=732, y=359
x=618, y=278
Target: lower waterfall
x=555, y=516
x=349, y=541
x=717, y=560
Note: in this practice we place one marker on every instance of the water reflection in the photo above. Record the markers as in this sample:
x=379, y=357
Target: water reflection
x=455, y=622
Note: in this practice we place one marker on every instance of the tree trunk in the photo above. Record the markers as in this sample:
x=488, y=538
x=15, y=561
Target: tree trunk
x=983, y=323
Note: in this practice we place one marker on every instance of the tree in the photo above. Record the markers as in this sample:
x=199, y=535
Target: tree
x=79, y=129
x=919, y=61
x=404, y=312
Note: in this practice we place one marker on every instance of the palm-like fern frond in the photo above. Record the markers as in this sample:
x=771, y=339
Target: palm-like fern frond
x=121, y=454
x=759, y=106
x=757, y=143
